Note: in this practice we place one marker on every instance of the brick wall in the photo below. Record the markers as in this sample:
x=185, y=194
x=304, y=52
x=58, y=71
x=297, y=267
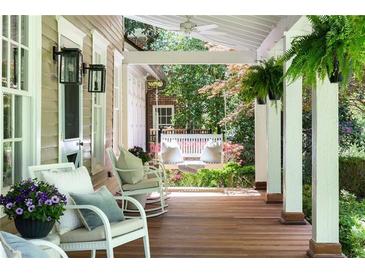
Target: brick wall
x=150, y=102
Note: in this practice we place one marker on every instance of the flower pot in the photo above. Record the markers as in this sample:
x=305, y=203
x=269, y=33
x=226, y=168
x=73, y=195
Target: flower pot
x=261, y=101
x=33, y=228
x=336, y=75
x=274, y=96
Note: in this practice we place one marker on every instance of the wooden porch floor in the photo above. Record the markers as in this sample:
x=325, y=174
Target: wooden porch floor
x=233, y=224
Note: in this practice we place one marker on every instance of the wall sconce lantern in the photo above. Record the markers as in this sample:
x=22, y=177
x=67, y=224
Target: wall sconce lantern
x=70, y=65
x=96, y=81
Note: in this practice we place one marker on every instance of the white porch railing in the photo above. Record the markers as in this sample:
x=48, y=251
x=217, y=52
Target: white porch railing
x=191, y=145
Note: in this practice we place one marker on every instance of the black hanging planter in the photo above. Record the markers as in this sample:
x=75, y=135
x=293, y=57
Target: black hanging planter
x=33, y=229
x=336, y=75
x=274, y=96
x=261, y=101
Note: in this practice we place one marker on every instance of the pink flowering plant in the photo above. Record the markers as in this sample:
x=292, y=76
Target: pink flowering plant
x=234, y=153
x=35, y=200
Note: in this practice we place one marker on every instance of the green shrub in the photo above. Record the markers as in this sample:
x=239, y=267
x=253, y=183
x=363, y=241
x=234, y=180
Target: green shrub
x=231, y=175
x=352, y=221
x=307, y=202
x=352, y=175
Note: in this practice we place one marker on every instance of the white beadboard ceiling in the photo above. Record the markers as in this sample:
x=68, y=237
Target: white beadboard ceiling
x=240, y=32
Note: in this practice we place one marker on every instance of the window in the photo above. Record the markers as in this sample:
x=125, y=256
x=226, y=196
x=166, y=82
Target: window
x=165, y=116
x=116, y=100
x=16, y=101
x=98, y=108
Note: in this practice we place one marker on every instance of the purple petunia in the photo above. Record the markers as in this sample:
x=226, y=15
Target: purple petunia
x=19, y=211
x=28, y=202
x=55, y=199
x=9, y=205
x=48, y=202
x=31, y=208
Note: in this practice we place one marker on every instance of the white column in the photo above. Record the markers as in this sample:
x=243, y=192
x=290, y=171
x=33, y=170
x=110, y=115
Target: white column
x=325, y=163
x=292, y=134
x=260, y=146
x=124, y=107
x=273, y=124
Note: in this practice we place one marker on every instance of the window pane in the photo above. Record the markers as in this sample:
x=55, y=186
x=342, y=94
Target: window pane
x=17, y=161
x=18, y=116
x=163, y=111
x=24, y=27
x=169, y=111
x=7, y=116
x=7, y=165
x=5, y=25
x=14, y=27
x=24, y=69
x=4, y=64
x=14, y=65
x=168, y=120
x=72, y=121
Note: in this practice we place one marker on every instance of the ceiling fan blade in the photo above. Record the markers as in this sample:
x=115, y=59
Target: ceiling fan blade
x=212, y=32
x=206, y=27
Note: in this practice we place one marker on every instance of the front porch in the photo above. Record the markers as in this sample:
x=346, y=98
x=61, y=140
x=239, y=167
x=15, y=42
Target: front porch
x=234, y=224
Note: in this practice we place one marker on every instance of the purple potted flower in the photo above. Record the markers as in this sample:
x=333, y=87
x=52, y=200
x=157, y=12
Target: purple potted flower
x=35, y=206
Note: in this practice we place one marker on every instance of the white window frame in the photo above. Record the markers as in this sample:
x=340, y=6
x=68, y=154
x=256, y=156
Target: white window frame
x=154, y=113
x=31, y=139
x=100, y=45
x=117, y=96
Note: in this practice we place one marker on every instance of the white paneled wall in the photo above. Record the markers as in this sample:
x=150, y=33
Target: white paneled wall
x=136, y=107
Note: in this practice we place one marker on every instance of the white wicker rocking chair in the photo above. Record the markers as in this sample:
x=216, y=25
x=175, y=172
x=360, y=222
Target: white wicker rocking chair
x=158, y=174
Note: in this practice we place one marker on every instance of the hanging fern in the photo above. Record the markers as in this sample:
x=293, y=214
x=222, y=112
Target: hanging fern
x=263, y=78
x=336, y=44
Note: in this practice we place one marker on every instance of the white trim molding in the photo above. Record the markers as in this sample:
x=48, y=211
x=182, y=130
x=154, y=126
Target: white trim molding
x=67, y=29
x=99, y=40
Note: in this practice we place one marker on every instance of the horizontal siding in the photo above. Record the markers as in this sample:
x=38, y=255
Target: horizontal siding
x=111, y=27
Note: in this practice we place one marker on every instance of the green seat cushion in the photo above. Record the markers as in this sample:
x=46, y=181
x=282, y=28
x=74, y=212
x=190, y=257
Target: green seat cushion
x=143, y=184
x=128, y=161
x=103, y=200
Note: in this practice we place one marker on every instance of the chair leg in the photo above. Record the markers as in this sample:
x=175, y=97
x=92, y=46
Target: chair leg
x=162, y=200
x=109, y=251
x=146, y=245
x=93, y=253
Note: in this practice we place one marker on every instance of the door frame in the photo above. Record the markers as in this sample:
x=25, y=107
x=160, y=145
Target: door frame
x=100, y=45
x=68, y=30
x=118, y=61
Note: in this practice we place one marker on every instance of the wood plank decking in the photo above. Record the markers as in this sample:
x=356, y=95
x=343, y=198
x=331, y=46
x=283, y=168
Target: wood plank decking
x=233, y=224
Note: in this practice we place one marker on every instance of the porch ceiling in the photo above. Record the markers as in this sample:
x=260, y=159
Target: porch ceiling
x=239, y=32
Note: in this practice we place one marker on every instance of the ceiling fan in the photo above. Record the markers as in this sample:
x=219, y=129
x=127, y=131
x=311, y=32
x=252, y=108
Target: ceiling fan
x=188, y=27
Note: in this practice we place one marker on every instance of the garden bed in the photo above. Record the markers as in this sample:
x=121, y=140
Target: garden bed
x=232, y=175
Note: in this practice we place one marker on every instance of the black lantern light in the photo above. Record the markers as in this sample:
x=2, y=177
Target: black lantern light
x=96, y=82
x=70, y=65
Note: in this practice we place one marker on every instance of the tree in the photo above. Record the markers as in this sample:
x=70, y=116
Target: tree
x=195, y=110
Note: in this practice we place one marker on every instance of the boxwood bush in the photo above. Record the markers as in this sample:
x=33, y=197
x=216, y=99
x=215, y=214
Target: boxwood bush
x=352, y=221
x=352, y=175
x=231, y=175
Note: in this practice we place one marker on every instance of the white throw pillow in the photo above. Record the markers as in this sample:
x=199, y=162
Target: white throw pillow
x=76, y=181
x=171, y=153
x=212, y=152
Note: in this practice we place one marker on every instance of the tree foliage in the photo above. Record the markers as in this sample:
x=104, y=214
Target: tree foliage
x=195, y=109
